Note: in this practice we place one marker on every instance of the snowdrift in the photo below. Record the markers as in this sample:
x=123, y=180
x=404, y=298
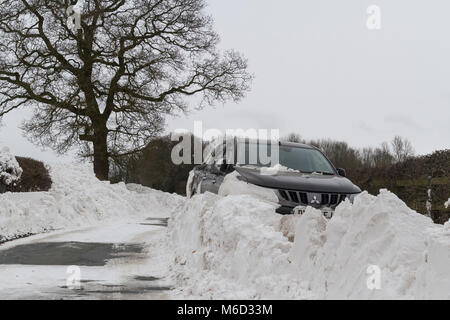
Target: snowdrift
x=233, y=186
x=237, y=247
x=411, y=252
x=78, y=198
x=10, y=170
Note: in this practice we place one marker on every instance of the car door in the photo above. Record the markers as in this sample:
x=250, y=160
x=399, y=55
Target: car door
x=210, y=180
x=210, y=176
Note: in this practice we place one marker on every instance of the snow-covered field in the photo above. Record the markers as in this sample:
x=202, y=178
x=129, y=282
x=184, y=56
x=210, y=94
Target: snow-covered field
x=234, y=245
x=237, y=247
x=78, y=198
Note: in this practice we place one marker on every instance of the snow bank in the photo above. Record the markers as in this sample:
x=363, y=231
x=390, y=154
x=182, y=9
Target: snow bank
x=411, y=252
x=78, y=198
x=10, y=171
x=231, y=185
x=229, y=247
x=237, y=247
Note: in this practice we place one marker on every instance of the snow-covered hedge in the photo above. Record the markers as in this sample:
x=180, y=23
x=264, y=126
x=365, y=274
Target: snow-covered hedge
x=237, y=247
x=10, y=170
x=78, y=198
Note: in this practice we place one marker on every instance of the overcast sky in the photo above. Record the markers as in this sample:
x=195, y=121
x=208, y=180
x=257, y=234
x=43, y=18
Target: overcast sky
x=320, y=72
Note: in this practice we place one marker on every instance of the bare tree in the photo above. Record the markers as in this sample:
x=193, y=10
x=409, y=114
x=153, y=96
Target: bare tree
x=339, y=152
x=367, y=156
x=402, y=148
x=382, y=156
x=106, y=86
x=293, y=137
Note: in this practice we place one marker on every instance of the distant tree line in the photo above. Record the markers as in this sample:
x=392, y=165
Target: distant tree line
x=153, y=167
x=342, y=155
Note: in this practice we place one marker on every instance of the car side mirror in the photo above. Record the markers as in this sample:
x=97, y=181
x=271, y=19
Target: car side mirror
x=341, y=172
x=224, y=167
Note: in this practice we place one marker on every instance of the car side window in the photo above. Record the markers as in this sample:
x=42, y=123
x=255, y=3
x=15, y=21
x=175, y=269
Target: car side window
x=218, y=155
x=215, y=156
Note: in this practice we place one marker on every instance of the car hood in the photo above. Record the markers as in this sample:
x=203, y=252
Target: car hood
x=299, y=181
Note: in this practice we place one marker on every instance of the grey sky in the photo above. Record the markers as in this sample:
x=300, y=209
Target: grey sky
x=321, y=73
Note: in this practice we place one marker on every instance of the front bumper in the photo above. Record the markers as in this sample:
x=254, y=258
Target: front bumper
x=327, y=212
x=296, y=202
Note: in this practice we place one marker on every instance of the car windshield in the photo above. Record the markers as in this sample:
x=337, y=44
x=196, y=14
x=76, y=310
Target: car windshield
x=305, y=160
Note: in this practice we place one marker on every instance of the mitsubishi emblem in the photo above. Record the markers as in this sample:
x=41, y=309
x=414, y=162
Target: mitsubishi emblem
x=314, y=200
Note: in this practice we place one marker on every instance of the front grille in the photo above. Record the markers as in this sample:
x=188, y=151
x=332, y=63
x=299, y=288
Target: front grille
x=334, y=199
x=304, y=197
x=284, y=194
x=326, y=199
x=294, y=196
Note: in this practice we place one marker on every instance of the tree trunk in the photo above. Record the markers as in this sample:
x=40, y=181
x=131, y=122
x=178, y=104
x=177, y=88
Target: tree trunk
x=101, y=163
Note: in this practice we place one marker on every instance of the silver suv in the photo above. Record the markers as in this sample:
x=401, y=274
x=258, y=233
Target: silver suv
x=311, y=179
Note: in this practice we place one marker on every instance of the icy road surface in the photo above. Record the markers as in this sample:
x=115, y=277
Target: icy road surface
x=121, y=260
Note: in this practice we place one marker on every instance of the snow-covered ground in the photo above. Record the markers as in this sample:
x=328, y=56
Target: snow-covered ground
x=77, y=198
x=233, y=245
x=238, y=247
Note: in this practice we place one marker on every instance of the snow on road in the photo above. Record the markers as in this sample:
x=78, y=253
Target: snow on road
x=116, y=235
x=120, y=260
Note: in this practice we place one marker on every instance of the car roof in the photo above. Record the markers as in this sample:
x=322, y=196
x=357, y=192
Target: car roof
x=281, y=143
x=296, y=145
x=286, y=144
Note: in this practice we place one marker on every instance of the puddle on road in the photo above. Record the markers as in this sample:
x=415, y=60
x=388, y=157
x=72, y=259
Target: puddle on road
x=154, y=224
x=163, y=222
x=127, y=290
x=144, y=278
x=68, y=253
x=134, y=288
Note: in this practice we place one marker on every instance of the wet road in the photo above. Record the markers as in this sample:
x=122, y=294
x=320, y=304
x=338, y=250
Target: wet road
x=126, y=260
